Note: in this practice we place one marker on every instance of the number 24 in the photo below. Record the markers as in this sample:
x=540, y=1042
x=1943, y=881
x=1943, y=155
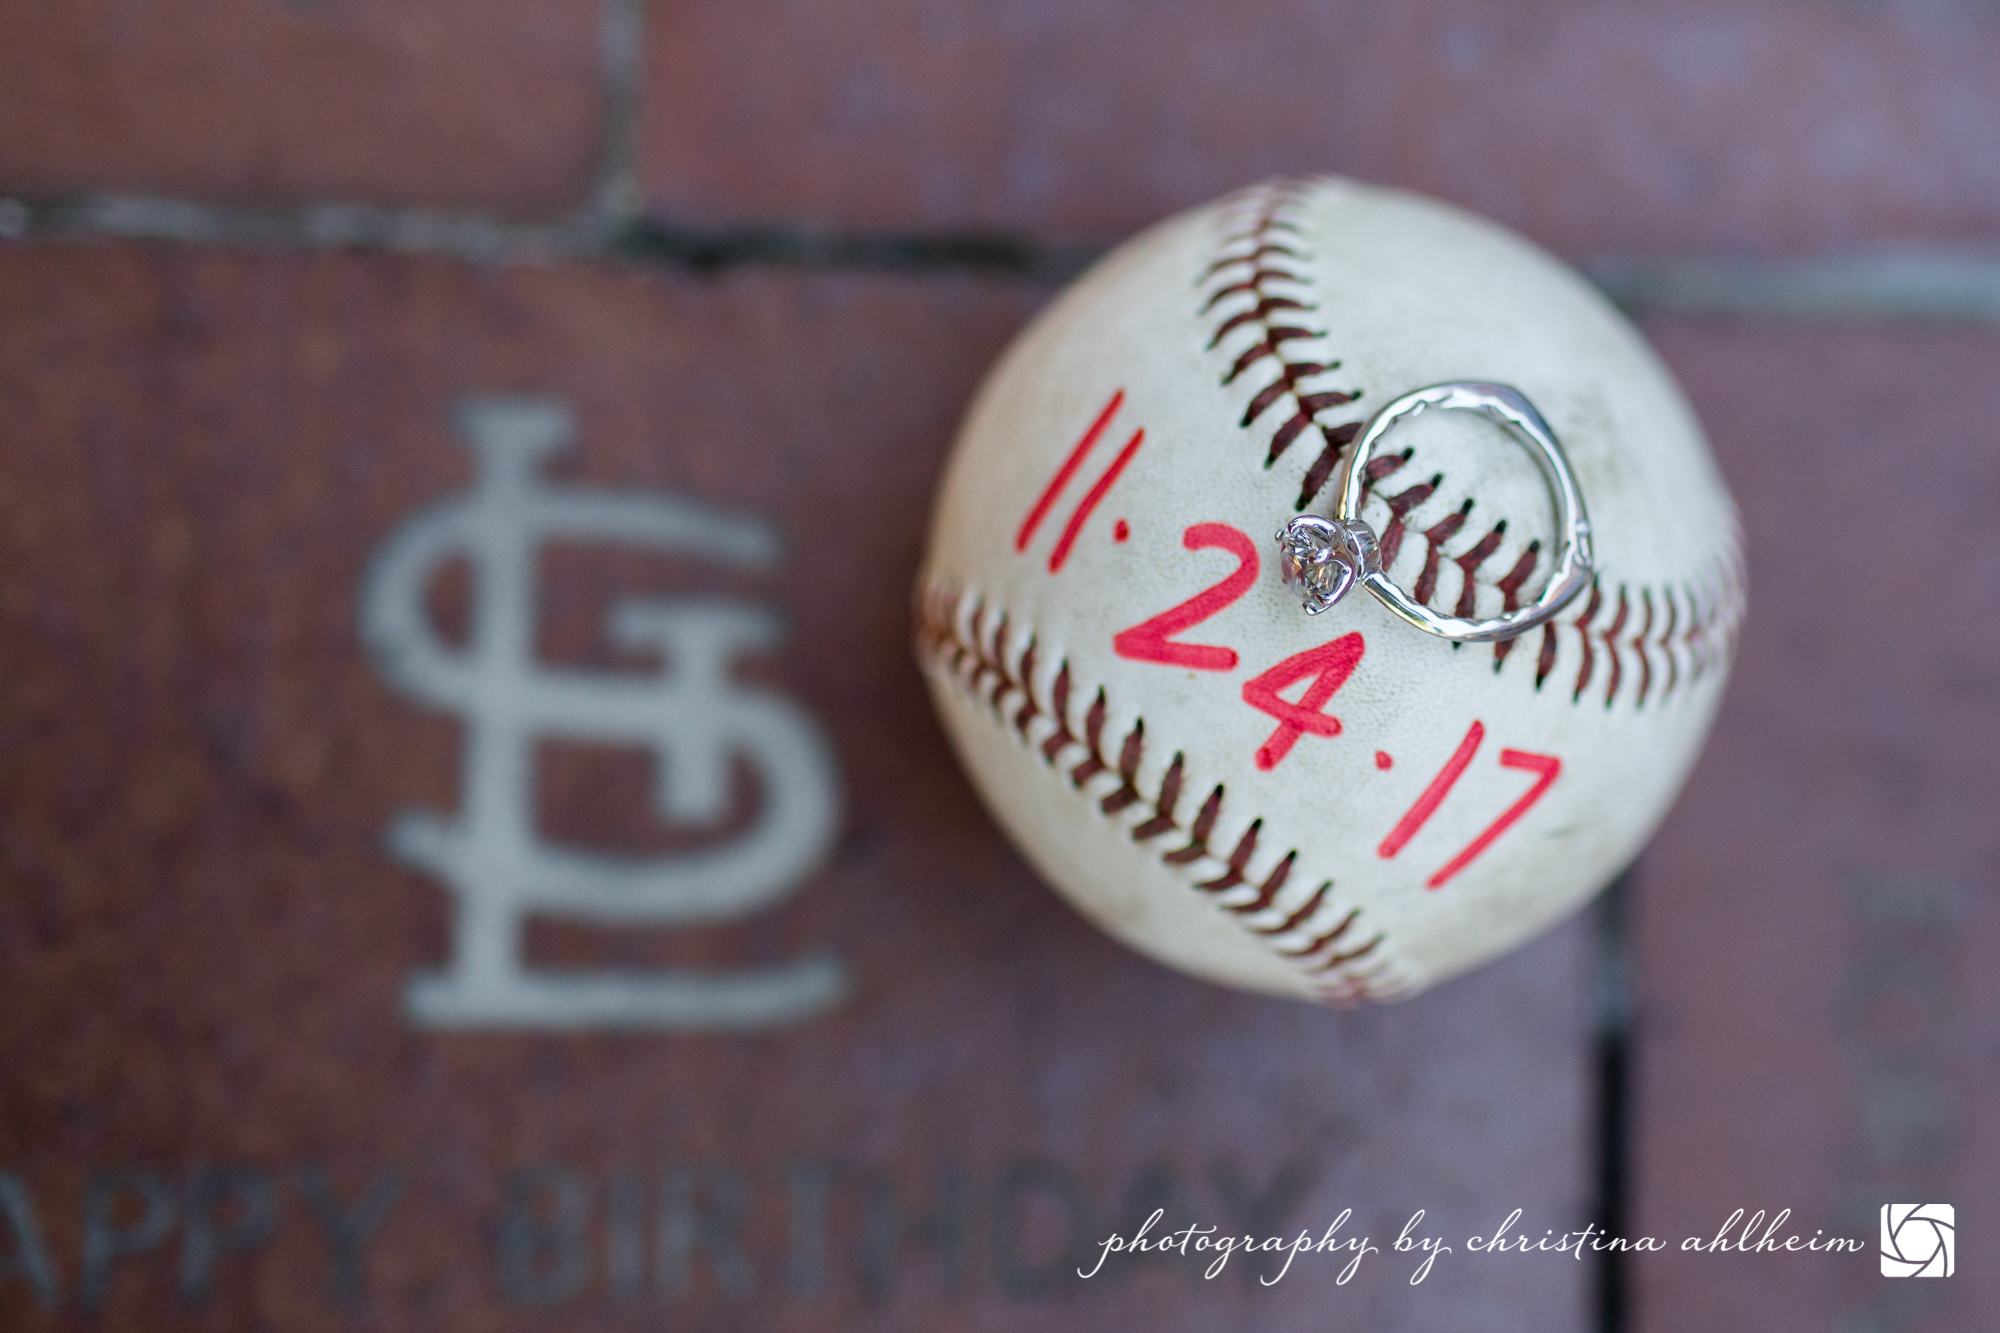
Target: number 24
x=1329, y=667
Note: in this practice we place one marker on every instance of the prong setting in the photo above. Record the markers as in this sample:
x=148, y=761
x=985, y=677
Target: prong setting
x=1323, y=559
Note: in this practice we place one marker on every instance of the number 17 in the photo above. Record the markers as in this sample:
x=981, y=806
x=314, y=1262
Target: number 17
x=1546, y=767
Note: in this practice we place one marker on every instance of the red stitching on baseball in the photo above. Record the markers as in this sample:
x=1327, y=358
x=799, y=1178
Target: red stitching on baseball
x=1510, y=595
x=1059, y=710
x=1256, y=312
x=1583, y=635
x=1128, y=769
x=1314, y=946
x=1267, y=892
x=1204, y=824
x=1545, y=661
x=1306, y=909
x=1163, y=817
x=1239, y=859
x=1093, y=738
x=1639, y=647
x=1259, y=238
x=1340, y=958
x=1611, y=643
x=1435, y=536
x=1469, y=563
x=1400, y=504
x=1667, y=640
x=1337, y=440
x=1253, y=258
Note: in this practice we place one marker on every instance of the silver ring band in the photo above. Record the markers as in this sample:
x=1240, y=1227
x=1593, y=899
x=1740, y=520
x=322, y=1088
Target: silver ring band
x=1327, y=558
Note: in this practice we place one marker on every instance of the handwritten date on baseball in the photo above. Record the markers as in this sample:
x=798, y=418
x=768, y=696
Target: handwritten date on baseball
x=1327, y=668
x=1545, y=767
x=1152, y=641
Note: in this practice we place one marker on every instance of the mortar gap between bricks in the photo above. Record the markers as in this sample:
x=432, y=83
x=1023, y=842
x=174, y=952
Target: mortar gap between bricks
x=1612, y=1052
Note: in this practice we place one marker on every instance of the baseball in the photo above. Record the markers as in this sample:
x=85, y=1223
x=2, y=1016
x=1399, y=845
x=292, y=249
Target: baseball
x=1346, y=805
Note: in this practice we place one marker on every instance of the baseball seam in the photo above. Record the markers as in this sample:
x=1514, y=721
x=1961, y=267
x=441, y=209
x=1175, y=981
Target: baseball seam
x=1268, y=251
x=957, y=632
x=1258, y=282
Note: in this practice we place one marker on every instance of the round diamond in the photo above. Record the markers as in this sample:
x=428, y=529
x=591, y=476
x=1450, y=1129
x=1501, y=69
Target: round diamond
x=1321, y=559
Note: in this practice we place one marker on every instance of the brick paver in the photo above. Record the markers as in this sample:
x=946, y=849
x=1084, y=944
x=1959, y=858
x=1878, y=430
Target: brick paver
x=455, y=104
x=1816, y=1012
x=1749, y=126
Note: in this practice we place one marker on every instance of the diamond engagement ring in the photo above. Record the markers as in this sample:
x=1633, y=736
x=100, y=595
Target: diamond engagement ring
x=1326, y=558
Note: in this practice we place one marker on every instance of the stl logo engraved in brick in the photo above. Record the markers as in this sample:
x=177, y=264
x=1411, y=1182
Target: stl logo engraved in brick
x=692, y=715
x=1919, y=1239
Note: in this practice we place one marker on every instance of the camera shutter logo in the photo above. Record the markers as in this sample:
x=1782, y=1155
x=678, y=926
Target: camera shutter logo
x=1918, y=1239
x=692, y=715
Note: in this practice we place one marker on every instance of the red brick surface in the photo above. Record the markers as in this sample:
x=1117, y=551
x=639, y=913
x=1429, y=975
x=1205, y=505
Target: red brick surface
x=1817, y=918
x=204, y=943
x=487, y=104
x=1746, y=125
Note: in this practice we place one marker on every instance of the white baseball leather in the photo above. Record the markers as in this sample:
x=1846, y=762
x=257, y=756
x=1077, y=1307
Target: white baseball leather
x=1258, y=326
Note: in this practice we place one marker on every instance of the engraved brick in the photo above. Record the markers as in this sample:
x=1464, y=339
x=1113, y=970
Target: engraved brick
x=206, y=945
x=460, y=104
x=1815, y=919
x=1734, y=124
